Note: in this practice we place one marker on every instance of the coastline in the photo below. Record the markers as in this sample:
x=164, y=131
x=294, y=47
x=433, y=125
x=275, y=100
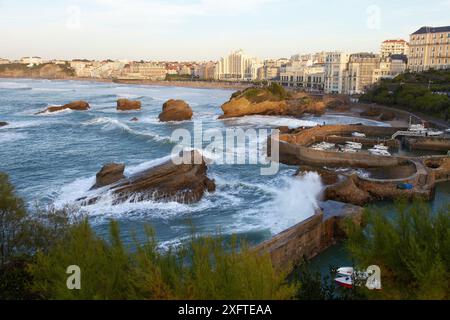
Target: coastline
x=159, y=83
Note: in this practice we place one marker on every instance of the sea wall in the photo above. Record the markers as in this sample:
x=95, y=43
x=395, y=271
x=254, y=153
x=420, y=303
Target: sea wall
x=428, y=143
x=309, y=238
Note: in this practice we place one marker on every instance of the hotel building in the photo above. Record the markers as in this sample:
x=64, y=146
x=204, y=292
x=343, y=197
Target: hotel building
x=335, y=67
x=237, y=67
x=394, y=47
x=429, y=49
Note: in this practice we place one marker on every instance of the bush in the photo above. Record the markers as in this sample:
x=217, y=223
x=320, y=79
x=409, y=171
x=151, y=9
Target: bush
x=412, y=249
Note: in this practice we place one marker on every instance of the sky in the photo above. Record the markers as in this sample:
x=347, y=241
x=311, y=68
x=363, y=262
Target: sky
x=189, y=30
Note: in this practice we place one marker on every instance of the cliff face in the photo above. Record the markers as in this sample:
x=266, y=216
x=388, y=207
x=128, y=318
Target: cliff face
x=46, y=71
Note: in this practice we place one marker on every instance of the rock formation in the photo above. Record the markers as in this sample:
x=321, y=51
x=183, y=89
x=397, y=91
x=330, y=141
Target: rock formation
x=109, y=174
x=45, y=71
x=274, y=101
x=76, y=105
x=134, y=119
x=347, y=191
x=328, y=177
x=184, y=183
x=175, y=110
x=3, y=123
x=128, y=105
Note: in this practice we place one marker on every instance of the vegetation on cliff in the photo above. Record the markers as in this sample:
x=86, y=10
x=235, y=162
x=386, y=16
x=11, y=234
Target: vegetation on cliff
x=425, y=92
x=37, y=249
x=274, y=92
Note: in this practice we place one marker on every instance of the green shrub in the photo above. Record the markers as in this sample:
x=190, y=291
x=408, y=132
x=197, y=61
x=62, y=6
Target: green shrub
x=412, y=249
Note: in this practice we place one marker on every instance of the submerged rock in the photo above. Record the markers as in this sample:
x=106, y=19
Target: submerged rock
x=184, y=183
x=134, y=119
x=128, y=105
x=76, y=105
x=175, y=110
x=109, y=174
x=3, y=123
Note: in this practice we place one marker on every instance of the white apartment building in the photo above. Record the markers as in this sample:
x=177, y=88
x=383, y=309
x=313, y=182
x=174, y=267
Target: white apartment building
x=237, y=66
x=360, y=72
x=394, y=47
x=301, y=76
x=335, y=67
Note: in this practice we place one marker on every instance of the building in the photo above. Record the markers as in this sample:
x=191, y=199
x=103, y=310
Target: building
x=361, y=70
x=205, y=71
x=237, y=66
x=4, y=61
x=32, y=61
x=309, y=78
x=429, y=49
x=335, y=67
x=394, y=47
x=143, y=70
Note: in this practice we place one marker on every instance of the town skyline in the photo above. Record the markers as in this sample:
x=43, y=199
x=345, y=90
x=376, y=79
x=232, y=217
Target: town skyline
x=163, y=31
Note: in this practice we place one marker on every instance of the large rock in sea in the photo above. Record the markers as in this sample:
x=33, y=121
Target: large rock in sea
x=272, y=101
x=175, y=110
x=3, y=123
x=128, y=105
x=76, y=105
x=184, y=183
x=110, y=173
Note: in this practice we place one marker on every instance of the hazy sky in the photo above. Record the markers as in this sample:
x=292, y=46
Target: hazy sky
x=206, y=29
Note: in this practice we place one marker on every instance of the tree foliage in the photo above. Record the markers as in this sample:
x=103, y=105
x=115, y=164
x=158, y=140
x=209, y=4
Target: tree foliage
x=412, y=249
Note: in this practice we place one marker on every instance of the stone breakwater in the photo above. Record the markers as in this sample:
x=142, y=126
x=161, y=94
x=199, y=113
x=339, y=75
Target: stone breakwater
x=384, y=183
x=310, y=237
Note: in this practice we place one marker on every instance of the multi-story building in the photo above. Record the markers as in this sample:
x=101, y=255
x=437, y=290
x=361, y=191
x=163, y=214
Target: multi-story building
x=205, y=71
x=335, y=67
x=361, y=70
x=31, y=61
x=4, y=61
x=303, y=76
x=394, y=47
x=236, y=67
x=143, y=70
x=429, y=49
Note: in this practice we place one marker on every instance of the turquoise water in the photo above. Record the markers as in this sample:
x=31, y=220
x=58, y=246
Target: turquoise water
x=52, y=159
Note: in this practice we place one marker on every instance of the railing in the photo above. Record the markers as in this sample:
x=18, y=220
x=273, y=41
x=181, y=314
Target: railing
x=408, y=133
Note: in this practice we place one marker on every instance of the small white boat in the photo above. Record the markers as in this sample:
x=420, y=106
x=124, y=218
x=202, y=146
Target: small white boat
x=323, y=146
x=345, y=282
x=345, y=271
x=380, y=147
x=420, y=128
x=349, y=149
x=354, y=145
x=447, y=130
x=380, y=152
x=358, y=134
x=432, y=133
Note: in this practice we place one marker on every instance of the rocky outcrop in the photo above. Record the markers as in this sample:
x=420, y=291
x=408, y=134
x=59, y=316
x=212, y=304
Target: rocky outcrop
x=109, y=174
x=45, y=71
x=328, y=177
x=3, y=123
x=175, y=110
x=134, y=119
x=128, y=105
x=184, y=183
x=274, y=101
x=347, y=191
x=76, y=105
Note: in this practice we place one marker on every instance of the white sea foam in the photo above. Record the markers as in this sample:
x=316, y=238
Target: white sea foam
x=270, y=121
x=14, y=86
x=6, y=136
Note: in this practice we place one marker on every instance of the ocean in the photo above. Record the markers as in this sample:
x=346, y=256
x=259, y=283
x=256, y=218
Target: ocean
x=52, y=159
